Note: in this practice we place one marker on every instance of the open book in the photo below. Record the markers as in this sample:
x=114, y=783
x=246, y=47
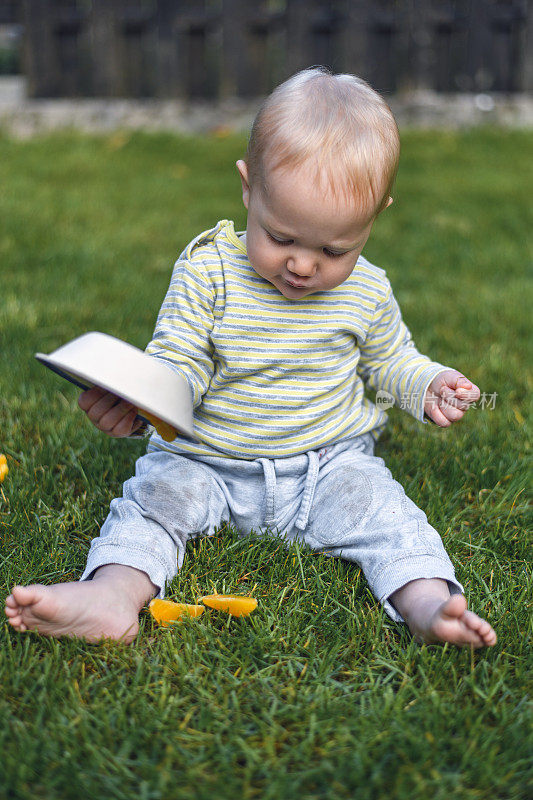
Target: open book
x=162, y=397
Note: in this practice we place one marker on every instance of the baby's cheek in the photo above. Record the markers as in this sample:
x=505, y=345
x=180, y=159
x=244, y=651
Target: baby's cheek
x=333, y=279
x=261, y=260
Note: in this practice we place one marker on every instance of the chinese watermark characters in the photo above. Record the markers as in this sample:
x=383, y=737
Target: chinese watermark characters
x=409, y=401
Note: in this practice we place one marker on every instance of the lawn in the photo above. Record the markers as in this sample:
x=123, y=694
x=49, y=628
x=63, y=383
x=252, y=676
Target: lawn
x=317, y=694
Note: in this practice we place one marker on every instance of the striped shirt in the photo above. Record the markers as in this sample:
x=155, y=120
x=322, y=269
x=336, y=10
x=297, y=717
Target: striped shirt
x=274, y=377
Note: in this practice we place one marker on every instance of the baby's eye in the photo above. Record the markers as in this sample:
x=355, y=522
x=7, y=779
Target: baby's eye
x=279, y=241
x=332, y=253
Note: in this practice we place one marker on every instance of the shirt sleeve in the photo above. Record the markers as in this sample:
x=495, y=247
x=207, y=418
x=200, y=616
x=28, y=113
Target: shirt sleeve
x=182, y=336
x=389, y=360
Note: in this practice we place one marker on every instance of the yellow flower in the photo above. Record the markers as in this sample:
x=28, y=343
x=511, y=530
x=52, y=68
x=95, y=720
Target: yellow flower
x=3, y=467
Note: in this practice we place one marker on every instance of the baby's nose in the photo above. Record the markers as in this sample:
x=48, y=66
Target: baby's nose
x=304, y=265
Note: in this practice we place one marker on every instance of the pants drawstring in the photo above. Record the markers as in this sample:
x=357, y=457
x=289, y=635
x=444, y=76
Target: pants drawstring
x=270, y=483
x=313, y=465
x=309, y=489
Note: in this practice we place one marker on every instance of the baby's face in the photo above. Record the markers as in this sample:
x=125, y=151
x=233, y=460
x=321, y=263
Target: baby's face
x=299, y=237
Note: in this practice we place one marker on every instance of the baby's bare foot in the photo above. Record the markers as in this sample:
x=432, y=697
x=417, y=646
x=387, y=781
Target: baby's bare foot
x=93, y=610
x=451, y=622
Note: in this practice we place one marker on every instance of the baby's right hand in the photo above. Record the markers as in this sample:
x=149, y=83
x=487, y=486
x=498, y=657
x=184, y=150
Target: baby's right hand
x=109, y=413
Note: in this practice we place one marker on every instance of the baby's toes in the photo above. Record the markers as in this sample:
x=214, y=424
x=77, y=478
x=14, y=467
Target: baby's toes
x=479, y=627
x=473, y=622
x=12, y=611
x=16, y=622
x=491, y=638
x=488, y=634
x=470, y=638
x=11, y=602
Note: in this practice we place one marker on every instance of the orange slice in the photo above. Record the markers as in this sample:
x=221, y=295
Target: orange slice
x=4, y=469
x=236, y=605
x=166, y=431
x=165, y=611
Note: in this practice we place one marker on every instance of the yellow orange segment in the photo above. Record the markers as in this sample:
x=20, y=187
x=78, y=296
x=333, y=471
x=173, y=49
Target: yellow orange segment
x=165, y=611
x=4, y=469
x=236, y=605
x=166, y=431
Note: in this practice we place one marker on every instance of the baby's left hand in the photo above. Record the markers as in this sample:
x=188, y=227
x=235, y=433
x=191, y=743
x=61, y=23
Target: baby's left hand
x=448, y=397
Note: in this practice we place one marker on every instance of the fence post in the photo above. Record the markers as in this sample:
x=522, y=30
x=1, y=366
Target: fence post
x=233, y=32
x=39, y=52
x=354, y=38
x=526, y=82
x=382, y=34
x=168, y=77
x=298, y=50
x=106, y=67
x=505, y=28
x=198, y=59
x=250, y=58
x=420, y=46
x=474, y=75
x=138, y=46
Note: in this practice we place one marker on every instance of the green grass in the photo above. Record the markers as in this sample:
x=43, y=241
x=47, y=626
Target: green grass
x=317, y=694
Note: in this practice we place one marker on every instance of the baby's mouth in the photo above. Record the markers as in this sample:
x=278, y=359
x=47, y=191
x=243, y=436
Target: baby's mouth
x=296, y=285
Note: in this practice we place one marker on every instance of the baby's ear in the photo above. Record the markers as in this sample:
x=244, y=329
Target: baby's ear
x=242, y=168
x=383, y=207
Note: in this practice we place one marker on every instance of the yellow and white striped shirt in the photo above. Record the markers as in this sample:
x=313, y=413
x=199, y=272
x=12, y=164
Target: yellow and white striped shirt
x=273, y=377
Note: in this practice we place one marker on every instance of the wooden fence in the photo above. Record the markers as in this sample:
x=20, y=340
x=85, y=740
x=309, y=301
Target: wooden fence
x=219, y=48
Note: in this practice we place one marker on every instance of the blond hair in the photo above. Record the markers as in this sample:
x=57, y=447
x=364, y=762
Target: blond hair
x=338, y=125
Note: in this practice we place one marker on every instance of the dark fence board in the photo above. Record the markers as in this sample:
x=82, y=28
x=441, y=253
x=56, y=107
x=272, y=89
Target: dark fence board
x=219, y=48
x=10, y=12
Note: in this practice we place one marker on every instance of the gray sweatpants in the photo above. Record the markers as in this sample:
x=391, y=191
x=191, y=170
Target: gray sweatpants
x=341, y=500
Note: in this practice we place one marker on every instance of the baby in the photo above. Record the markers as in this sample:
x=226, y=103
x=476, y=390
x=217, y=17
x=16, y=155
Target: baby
x=277, y=330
